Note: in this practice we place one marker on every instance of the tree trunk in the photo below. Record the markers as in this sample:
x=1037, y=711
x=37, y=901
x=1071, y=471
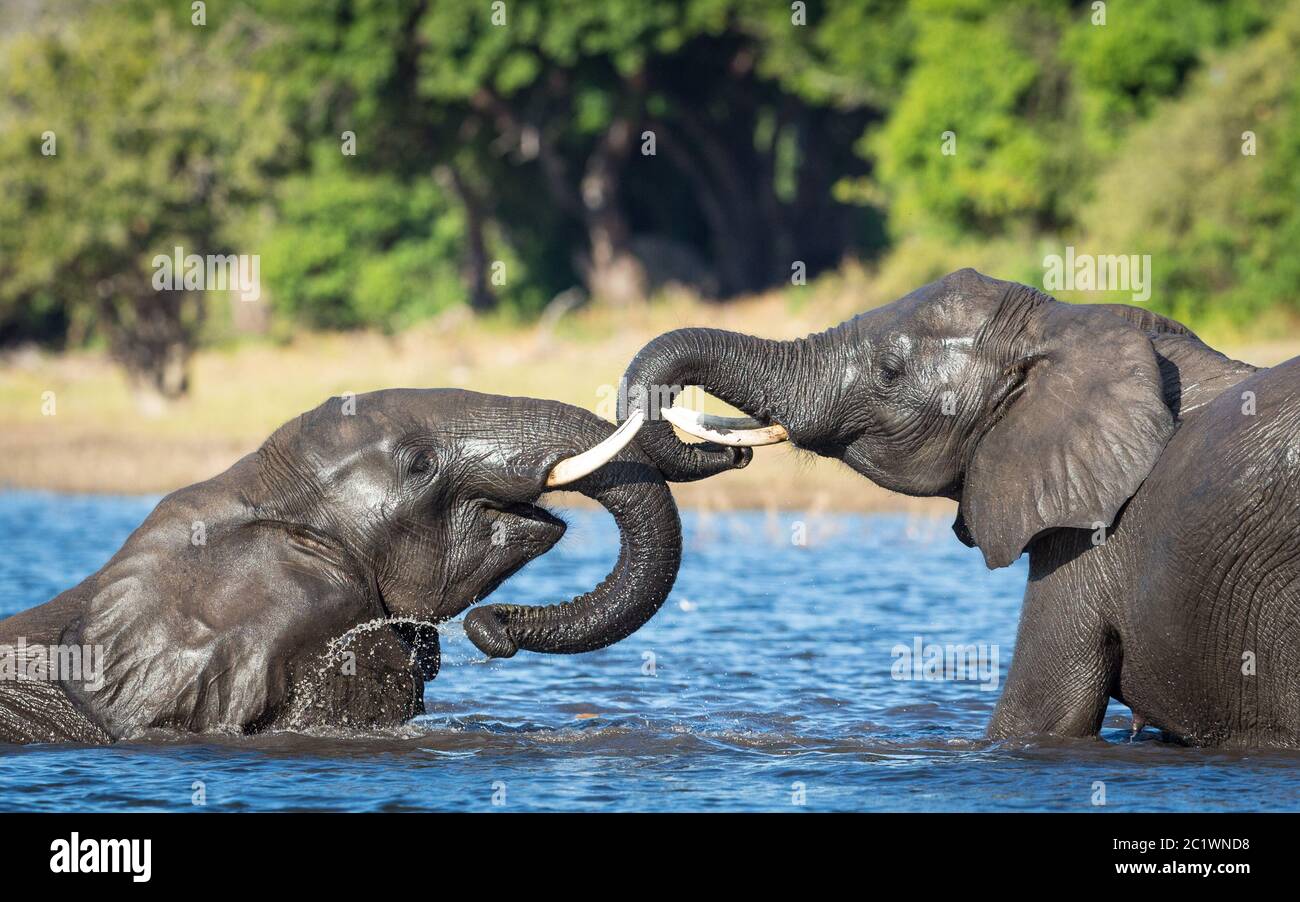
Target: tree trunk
x=152, y=334
x=614, y=274
x=474, y=262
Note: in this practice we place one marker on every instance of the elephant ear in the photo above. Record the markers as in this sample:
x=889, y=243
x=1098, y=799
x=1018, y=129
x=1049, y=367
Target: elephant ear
x=1079, y=425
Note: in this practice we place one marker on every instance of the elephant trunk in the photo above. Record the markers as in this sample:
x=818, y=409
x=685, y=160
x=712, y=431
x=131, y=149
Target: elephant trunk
x=650, y=551
x=759, y=376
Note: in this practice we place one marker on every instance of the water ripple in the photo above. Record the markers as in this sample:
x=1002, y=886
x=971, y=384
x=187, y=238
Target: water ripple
x=776, y=696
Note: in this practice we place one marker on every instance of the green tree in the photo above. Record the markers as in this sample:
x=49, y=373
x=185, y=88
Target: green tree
x=122, y=136
x=975, y=141
x=576, y=95
x=1208, y=187
x=1144, y=53
x=350, y=68
x=1008, y=111
x=390, y=158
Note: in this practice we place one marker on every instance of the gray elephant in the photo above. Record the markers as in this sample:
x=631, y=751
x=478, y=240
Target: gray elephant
x=1154, y=482
x=301, y=586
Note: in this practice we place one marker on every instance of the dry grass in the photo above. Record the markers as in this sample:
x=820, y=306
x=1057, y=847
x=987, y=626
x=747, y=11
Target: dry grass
x=100, y=441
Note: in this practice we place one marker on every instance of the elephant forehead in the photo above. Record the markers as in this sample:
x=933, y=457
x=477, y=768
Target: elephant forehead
x=956, y=305
x=971, y=283
x=915, y=323
x=944, y=309
x=333, y=435
x=491, y=449
x=952, y=314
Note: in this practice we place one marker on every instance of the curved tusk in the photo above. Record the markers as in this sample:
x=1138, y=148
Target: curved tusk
x=571, y=469
x=738, y=432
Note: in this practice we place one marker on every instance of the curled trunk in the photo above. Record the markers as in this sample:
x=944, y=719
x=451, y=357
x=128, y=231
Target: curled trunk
x=761, y=377
x=650, y=551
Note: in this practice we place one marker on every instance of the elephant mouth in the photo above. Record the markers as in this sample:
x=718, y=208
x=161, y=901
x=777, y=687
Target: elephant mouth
x=534, y=518
x=517, y=533
x=525, y=531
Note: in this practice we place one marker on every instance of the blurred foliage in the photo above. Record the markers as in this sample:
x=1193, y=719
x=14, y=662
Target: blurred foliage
x=353, y=248
x=116, y=144
x=501, y=153
x=1223, y=227
x=964, y=145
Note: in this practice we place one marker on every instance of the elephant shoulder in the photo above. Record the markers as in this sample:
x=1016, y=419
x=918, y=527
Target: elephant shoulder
x=1193, y=373
x=1147, y=320
x=1233, y=470
x=200, y=637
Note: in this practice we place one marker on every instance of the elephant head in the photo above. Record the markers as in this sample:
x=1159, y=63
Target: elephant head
x=367, y=520
x=1032, y=413
x=435, y=490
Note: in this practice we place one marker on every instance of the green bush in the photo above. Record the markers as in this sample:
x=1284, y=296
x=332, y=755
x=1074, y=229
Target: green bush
x=972, y=77
x=350, y=249
x=1222, y=226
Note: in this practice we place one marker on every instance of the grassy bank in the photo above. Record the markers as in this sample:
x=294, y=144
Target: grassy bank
x=99, y=440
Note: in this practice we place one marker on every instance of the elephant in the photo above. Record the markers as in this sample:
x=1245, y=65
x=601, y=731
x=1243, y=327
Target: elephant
x=1153, y=481
x=302, y=587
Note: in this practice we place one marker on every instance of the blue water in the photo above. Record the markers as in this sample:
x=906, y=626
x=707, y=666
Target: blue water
x=765, y=683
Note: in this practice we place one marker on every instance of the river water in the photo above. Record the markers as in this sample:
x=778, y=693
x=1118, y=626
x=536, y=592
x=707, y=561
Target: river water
x=774, y=679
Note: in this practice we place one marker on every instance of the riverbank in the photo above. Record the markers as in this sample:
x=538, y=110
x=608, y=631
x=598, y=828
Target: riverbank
x=98, y=438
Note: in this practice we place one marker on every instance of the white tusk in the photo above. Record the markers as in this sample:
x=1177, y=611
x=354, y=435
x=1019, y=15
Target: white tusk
x=739, y=432
x=571, y=469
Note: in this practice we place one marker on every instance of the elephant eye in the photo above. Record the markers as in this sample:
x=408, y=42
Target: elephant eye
x=891, y=369
x=421, y=463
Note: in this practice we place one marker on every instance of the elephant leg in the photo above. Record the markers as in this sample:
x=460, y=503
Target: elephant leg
x=1065, y=667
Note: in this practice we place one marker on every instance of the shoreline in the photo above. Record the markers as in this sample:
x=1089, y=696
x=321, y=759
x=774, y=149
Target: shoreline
x=70, y=423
